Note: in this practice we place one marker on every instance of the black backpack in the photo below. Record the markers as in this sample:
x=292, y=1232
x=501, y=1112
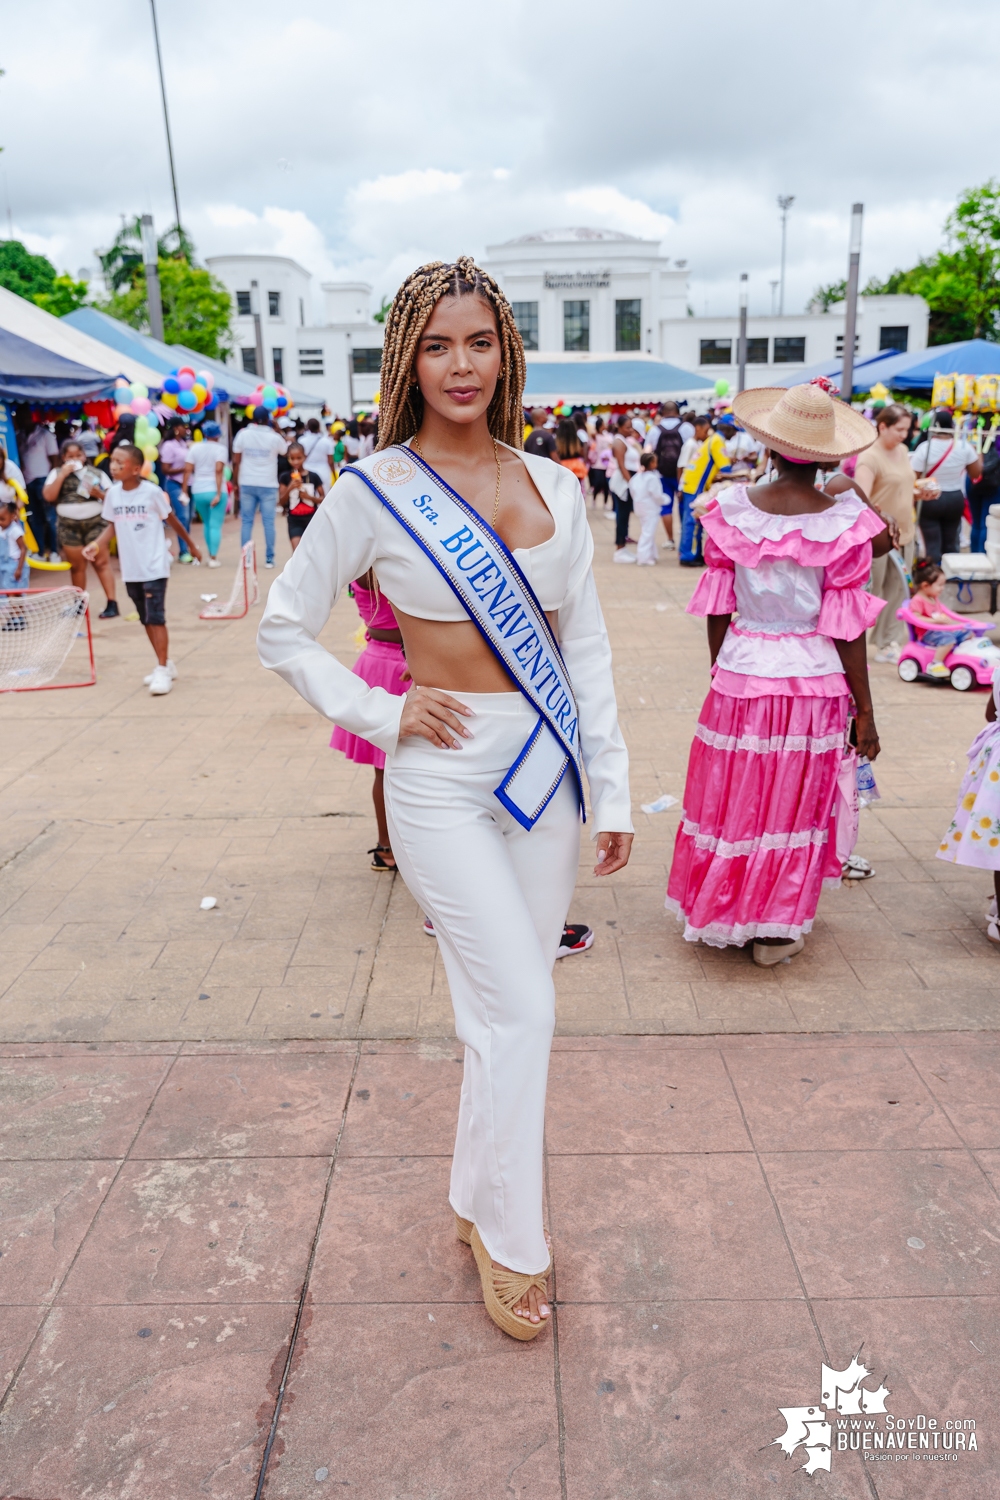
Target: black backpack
x=668, y=451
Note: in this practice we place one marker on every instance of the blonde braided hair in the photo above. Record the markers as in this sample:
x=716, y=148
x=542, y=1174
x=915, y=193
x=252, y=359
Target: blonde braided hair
x=401, y=405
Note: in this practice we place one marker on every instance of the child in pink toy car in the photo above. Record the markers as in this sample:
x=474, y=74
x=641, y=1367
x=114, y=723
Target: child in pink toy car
x=929, y=583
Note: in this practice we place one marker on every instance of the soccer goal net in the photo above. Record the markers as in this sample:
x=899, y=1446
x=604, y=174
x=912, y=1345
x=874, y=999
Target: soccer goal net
x=244, y=592
x=38, y=629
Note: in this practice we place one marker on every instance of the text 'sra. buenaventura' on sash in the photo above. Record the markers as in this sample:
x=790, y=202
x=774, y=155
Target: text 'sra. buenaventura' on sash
x=500, y=601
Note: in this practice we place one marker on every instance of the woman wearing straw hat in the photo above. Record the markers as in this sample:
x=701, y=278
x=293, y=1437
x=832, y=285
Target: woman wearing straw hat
x=756, y=837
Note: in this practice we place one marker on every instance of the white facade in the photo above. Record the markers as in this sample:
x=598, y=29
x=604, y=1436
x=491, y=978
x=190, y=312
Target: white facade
x=777, y=345
x=590, y=291
x=546, y=276
x=334, y=353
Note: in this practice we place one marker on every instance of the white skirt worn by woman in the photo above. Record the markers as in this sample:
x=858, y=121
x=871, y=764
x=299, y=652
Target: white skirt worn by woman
x=498, y=895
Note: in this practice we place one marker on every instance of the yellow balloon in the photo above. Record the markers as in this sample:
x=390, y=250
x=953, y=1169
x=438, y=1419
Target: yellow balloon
x=150, y=452
x=199, y=391
x=250, y=411
x=169, y=400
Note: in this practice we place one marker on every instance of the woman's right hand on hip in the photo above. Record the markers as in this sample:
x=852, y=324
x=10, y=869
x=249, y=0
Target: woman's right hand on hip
x=431, y=713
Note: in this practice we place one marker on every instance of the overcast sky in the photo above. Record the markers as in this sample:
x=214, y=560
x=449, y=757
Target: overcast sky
x=363, y=139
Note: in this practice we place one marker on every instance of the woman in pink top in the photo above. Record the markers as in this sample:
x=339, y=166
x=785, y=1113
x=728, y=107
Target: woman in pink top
x=381, y=664
x=757, y=835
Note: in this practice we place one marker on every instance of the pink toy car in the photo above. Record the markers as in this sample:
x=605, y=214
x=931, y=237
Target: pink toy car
x=971, y=662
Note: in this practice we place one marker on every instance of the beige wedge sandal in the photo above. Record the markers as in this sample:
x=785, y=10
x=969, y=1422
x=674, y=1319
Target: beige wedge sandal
x=502, y=1290
x=464, y=1228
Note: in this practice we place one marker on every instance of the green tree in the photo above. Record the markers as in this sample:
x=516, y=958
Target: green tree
x=196, y=306
x=961, y=285
x=34, y=278
x=826, y=296
x=123, y=259
x=383, y=311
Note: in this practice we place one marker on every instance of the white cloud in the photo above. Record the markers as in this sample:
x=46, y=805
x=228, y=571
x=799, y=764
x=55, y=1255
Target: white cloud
x=360, y=147
x=606, y=207
x=406, y=187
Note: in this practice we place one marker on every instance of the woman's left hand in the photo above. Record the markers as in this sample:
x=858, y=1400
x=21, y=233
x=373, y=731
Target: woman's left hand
x=613, y=850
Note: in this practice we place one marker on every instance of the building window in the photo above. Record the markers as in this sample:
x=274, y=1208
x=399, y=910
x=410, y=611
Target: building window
x=243, y=304
x=249, y=361
x=756, y=351
x=716, y=352
x=628, y=324
x=366, y=361
x=897, y=338
x=526, y=318
x=278, y=363
x=840, y=343
x=790, y=351
x=274, y=304
x=310, y=361
x=576, y=327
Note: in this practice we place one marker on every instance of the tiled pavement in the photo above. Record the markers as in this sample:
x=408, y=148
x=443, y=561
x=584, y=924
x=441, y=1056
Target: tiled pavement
x=728, y=1213
x=224, y=1135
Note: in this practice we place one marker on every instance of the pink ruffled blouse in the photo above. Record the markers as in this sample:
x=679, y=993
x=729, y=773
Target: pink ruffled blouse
x=376, y=613
x=794, y=584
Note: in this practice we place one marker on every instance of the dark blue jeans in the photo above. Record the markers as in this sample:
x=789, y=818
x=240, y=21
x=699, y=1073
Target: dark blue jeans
x=979, y=507
x=42, y=518
x=689, y=550
x=180, y=509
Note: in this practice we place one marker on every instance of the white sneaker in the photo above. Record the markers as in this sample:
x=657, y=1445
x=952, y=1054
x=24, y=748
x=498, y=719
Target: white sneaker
x=889, y=653
x=269, y=565
x=170, y=668
x=622, y=556
x=993, y=931
x=213, y=562
x=161, y=682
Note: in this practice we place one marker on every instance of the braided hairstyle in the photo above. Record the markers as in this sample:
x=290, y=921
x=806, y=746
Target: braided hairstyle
x=401, y=406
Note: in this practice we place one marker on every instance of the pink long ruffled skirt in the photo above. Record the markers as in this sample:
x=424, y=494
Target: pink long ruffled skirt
x=381, y=664
x=757, y=836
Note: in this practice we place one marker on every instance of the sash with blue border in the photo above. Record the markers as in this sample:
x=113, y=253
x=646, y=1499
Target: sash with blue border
x=501, y=602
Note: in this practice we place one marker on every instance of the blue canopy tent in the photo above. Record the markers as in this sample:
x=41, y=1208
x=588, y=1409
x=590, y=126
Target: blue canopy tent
x=166, y=357
x=30, y=373
x=607, y=381
x=971, y=357
x=908, y=372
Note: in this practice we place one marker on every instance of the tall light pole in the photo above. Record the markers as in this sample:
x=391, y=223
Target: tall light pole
x=154, y=303
x=851, y=311
x=258, y=333
x=784, y=203
x=166, y=117
x=741, y=348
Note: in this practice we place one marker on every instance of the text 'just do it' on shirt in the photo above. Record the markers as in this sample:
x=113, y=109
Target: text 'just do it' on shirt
x=138, y=517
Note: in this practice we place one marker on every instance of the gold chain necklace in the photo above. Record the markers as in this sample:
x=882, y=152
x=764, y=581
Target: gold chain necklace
x=496, y=454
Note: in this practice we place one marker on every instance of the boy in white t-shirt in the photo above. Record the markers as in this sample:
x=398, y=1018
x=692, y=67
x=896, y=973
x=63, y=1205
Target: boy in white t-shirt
x=134, y=510
x=647, y=500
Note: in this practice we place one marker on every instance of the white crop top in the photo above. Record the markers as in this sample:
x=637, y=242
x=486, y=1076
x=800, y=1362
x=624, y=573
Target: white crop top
x=353, y=531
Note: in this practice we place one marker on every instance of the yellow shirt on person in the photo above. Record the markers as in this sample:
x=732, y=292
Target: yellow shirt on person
x=705, y=467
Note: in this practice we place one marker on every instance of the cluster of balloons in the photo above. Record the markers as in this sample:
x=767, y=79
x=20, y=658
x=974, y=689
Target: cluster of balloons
x=190, y=392
x=563, y=409
x=131, y=399
x=147, y=437
x=274, y=398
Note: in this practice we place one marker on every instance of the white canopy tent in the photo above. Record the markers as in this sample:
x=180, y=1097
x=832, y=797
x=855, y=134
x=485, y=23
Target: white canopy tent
x=19, y=316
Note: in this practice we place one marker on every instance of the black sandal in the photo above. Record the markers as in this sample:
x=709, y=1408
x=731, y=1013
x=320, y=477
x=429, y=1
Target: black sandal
x=378, y=863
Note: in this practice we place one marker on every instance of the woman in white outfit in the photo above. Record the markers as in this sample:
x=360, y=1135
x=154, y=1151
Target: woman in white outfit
x=496, y=891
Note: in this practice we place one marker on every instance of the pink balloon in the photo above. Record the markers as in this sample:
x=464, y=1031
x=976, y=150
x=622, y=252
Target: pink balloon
x=141, y=405
x=206, y=378
x=185, y=381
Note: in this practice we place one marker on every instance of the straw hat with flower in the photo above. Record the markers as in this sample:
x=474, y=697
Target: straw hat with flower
x=803, y=422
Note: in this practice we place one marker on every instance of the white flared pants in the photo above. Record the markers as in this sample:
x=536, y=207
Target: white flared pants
x=498, y=897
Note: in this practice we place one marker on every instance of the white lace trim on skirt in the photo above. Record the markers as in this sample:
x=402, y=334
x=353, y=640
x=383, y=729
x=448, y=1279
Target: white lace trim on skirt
x=718, y=935
x=719, y=847
x=778, y=743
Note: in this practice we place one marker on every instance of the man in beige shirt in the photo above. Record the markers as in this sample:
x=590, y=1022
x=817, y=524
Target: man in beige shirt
x=884, y=473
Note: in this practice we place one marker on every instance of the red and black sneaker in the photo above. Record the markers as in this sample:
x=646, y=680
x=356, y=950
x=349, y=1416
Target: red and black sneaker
x=577, y=938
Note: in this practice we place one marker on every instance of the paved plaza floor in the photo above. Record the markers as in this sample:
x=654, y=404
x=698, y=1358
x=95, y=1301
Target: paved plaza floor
x=227, y=1266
